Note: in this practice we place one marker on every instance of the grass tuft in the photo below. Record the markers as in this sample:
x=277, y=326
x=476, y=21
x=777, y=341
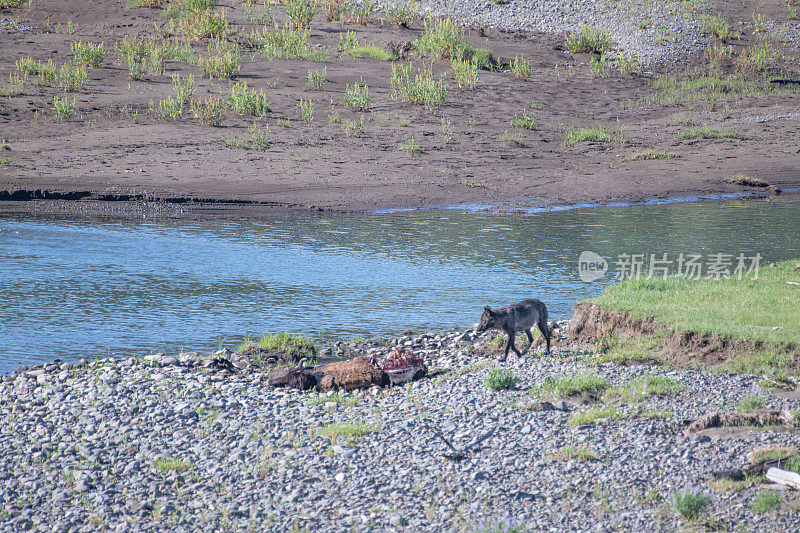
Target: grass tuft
x=570, y=452
x=63, y=108
x=594, y=415
x=498, y=379
x=418, y=86
x=209, y=110
x=583, y=384
x=641, y=388
x=589, y=40
x=596, y=133
x=247, y=101
x=766, y=501
x=88, y=54
x=357, y=95
x=690, y=503
x=705, y=132
x=649, y=155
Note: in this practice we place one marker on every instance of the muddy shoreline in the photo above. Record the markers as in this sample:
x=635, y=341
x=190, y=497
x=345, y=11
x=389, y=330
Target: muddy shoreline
x=469, y=150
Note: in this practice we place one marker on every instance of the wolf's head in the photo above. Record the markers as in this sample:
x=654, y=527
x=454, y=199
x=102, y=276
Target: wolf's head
x=488, y=320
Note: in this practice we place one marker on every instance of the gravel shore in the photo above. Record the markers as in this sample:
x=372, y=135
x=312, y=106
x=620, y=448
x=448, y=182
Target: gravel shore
x=660, y=31
x=165, y=443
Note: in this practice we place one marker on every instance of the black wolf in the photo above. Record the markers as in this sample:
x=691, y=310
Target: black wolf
x=515, y=318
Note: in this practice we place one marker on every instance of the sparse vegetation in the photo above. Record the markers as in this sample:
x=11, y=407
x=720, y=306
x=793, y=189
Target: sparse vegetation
x=88, y=54
x=184, y=87
x=766, y=500
x=295, y=347
x=520, y=68
x=747, y=181
x=168, y=109
x=173, y=465
x=351, y=429
x=195, y=19
x=498, y=379
x=305, y=108
x=512, y=138
x=641, y=388
x=690, y=503
x=523, y=121
x=259, y=139
x=402, y=12
x=418, y=86
x=301, y=12
x=412, y=147
x=316, y=79
x=706, y=132
x=357, y=95
x=245, y=100
x=465, y=73
x=589, y=40
x=594, y=415
x=579, y=384
x=716, y=26
x=596, y=133
x=141, y=56
x=648, y=155
x=222, y=62
x=286, y=43
x=572, y=453
x=751, y=402
x=208, y=110
x=63, y=108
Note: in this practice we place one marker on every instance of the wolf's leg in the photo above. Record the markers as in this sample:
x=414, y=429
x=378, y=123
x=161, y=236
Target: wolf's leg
x=509, y=341
x=512, y=337
x=530, y=339
x=545, y=331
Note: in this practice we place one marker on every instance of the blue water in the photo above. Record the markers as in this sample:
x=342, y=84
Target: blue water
x=76, y=287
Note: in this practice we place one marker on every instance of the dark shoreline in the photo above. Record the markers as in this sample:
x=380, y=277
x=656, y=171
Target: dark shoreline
x=209, y=208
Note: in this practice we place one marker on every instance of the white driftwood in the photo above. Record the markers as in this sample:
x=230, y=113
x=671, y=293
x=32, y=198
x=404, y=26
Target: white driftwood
x=784, y=477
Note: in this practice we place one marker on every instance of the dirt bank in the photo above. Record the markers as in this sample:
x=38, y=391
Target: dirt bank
x=468, y=150
x=599, y=326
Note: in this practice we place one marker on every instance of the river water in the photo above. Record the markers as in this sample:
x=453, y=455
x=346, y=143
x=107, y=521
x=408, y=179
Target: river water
x=81, y=287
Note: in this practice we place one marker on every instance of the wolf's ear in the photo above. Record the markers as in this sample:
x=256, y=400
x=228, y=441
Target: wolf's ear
x=487, y=309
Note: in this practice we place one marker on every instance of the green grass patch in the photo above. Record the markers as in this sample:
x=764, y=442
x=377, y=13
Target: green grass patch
x=63, y=108
x=751, y=402
x=498, y=379
x=714, y=85
x=596, y=133
x=88, y=54
x=766, y=500
x=524, y=121
x=570, y=452
x=513, y=138
x=774, y=452
x=579, y=384
x=521, y=68
x=589, y=40
x=706, y=132
x=247, y=101
x=237, y=142
x=762, y=309
x=641, y=388
x=173, y=465
x=349, y=429
x=465, y=73
x=418, y=86
x=287, y=43
x=411, y=147
x=595, y=415
x=294, y=346
x=141, y=57
x=649, y=155
x=690, y=503
x=168, y=109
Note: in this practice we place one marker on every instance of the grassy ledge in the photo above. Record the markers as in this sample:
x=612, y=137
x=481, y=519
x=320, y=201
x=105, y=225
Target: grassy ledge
x=757, y=314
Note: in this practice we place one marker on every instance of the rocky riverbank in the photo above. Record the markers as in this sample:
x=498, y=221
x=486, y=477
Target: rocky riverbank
x=170, y=443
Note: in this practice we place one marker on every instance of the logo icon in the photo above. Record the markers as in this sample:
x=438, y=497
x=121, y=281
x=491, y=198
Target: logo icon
x=591, y=266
